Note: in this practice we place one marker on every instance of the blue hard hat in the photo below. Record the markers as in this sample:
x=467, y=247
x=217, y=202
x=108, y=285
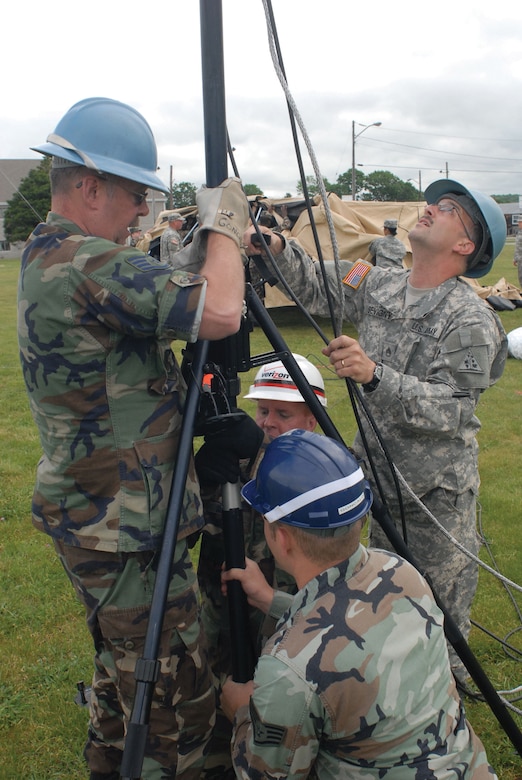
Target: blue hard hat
x=310, y=481
x=488, y=215
x=108, y=137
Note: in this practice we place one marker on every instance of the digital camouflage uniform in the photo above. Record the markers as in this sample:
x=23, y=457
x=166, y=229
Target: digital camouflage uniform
x=355, y=684
x=95, y=324
x=214, y=612
x=518, y=254
x=387, y=251
x=439, y=354
x=170, y=244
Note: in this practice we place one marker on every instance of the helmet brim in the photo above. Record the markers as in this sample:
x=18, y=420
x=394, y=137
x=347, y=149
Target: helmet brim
x=105, y=165
x=280, y=394
x=437, y=189
x=249, y=493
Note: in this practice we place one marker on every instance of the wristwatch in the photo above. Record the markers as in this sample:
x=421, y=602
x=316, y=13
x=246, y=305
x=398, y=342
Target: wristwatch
x=369, y=387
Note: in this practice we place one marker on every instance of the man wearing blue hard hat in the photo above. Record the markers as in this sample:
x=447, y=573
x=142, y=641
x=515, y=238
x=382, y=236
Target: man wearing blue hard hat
x=96, y=322
x=355, y=681
x=427, y=348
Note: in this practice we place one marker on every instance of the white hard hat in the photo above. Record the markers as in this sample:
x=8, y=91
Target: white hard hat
x=274, y=383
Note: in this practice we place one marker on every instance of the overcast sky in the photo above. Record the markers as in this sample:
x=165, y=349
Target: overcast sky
x=443, y=78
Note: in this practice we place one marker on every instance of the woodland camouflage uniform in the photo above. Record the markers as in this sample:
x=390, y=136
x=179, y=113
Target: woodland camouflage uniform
x=439, y=354
x=355, y=684
x=97, y=319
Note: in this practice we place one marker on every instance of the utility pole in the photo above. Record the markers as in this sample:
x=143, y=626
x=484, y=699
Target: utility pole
x=354, y=137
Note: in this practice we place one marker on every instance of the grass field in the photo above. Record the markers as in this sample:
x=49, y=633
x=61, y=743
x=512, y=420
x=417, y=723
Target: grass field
x=44, y=645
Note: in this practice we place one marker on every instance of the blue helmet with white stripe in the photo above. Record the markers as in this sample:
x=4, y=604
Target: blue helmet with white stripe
x=310, y=481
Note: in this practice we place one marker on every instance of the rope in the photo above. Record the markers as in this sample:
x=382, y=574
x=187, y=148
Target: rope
x=319, y=178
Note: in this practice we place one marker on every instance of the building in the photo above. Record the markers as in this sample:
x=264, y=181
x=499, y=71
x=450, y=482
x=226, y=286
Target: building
x=513, y=215
x=13, y=171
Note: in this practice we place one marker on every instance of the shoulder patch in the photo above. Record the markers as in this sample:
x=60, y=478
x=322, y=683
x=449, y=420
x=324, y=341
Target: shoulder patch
x=265, y=733
x=470, y=363
x=144, y=262
x=357, y=273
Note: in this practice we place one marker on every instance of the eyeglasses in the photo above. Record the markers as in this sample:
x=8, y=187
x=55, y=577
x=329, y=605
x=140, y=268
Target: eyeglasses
x=447, y=206
x=139, y=197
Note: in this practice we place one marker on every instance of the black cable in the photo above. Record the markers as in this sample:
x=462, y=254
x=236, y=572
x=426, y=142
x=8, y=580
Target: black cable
x=355, y=395
x=353, y=390
x=336, y=330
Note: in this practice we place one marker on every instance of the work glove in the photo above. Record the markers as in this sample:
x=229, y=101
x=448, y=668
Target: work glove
x=223, y=209
x=217, y=460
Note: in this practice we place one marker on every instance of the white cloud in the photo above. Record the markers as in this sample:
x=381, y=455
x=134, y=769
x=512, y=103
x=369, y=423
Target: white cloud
x=444, y=80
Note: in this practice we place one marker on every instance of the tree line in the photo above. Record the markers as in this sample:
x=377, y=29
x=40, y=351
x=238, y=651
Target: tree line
x=30, y=204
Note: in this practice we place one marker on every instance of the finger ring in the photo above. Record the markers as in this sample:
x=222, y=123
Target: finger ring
x=342, y=363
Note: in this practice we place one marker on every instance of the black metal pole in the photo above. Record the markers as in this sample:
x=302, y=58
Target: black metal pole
x=147, y=670
x=215, y=128
x=147, y=667
x=216, y=143
x=276, y=340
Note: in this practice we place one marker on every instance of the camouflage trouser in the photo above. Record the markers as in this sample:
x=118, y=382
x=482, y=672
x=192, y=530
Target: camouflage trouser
x=451, y=573
x=116, y=591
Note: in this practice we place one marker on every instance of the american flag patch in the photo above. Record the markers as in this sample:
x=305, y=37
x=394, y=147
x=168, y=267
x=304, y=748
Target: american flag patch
x=354, y=277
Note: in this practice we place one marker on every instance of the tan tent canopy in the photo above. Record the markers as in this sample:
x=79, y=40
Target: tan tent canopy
x=356, y=224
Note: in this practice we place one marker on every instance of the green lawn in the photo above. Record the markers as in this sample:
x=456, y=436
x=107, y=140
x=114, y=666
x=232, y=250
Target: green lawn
x=44, y=645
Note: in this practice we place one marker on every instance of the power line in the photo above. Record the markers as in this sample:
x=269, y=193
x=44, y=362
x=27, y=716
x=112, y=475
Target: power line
x=517, y=141
x=442, y=152
x=385, y=166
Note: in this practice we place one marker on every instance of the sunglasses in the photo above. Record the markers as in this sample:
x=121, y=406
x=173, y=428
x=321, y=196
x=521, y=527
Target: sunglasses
x=139, y=197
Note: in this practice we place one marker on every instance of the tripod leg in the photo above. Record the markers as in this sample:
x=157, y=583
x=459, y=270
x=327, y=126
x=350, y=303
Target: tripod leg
x=147, y=667
x=243, y=661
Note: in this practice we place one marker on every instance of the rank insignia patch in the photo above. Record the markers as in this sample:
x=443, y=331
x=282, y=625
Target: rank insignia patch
x=265, y=733
x=145, y=262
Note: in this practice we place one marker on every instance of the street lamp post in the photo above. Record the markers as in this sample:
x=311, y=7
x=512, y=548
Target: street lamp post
x=354, y=137
x=419, y=185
